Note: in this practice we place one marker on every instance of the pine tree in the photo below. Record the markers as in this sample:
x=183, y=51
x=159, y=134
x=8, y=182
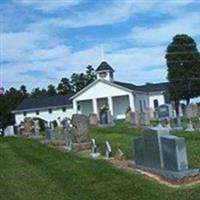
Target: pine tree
x=183, y=62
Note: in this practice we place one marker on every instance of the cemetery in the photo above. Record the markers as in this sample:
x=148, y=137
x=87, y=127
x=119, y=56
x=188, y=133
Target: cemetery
x=100, y=100
x=137, y=151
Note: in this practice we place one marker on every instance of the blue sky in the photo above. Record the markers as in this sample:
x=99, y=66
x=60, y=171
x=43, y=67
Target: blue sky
x=43, y=41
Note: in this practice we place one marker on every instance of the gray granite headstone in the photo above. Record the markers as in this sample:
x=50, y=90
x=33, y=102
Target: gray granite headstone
x=189, y=111
x=144, y=118
x=153, y=156
x=174, y=153
x=139, y=151
x=93, y=120
x=48, y=133
x=67, y=133
x=132, y=118
x=9, y=131
x=148, y=147
x=158, y=152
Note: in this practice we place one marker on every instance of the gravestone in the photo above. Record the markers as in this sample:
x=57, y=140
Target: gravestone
x=80, y=132
x=108, y=150
x=163, y=154
x=148, y=147
x=93, y=120
x=189, y=114
x=28, y=126
x=94, y=153
x=178, y=125
x=36, y=127
x=165, y=111
x=52, y=133
x=103, y=117
x=127, y=114
x=174, y=153
x=144, y=119
x=133, y=118
x=9, y=131
x=67, y=133
x=106, y=119
x=47, y=131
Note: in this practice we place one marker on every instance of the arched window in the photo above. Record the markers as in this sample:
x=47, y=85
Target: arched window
x=155, y=103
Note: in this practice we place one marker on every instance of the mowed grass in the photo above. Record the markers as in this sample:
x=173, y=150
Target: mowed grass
x=31, y=170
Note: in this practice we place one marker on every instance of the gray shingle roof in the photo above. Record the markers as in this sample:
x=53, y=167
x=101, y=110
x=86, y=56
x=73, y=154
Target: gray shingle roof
x=154, y=87
x=149, y=87
x=126, y=85
x=104, y=66
x=44, y=102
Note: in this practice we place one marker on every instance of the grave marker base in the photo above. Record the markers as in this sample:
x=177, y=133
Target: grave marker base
x=169, y=174
x=77, y=147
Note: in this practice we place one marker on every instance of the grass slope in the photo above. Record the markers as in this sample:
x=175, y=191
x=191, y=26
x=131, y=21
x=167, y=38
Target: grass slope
x=30, y=170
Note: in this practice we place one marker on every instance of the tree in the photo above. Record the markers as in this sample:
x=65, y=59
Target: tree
x=64, y=87
x=8, y=103
x=79, y=81
x=23, y=90
x=183, y=62
x=51, y=91
x=37, y=92
x=91, y=74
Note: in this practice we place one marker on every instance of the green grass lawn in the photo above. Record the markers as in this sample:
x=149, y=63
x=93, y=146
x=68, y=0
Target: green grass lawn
x=31, y=170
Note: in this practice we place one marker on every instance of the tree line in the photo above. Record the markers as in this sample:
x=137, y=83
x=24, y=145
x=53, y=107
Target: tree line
x=13, y=97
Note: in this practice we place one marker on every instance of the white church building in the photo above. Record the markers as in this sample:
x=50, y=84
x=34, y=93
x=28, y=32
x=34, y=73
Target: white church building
x=104, y=91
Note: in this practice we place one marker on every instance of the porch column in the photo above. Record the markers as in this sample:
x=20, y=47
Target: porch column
x=75, y=106
x=94, y=104
x=131, y=102
x=110, y=104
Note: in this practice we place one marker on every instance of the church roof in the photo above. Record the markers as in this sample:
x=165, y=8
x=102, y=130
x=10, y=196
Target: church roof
x=154, y=87
x=126, y=85
x=149, y=87
x=104, y=66
x=44, y=102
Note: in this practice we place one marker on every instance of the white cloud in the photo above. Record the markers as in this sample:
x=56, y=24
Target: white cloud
x=112, y=12
x=35, y=48
x=162, y=33
x=139, y=65
x=49, y=5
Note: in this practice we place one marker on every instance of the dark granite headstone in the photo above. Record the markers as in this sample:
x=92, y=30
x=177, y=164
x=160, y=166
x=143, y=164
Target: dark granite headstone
x=103, y=117
x=163, y=111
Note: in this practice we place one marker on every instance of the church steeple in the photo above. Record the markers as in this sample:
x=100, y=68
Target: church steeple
x=105, y=71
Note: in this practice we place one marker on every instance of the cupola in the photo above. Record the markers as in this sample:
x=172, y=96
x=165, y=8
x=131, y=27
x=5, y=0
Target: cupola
x=105, y=71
